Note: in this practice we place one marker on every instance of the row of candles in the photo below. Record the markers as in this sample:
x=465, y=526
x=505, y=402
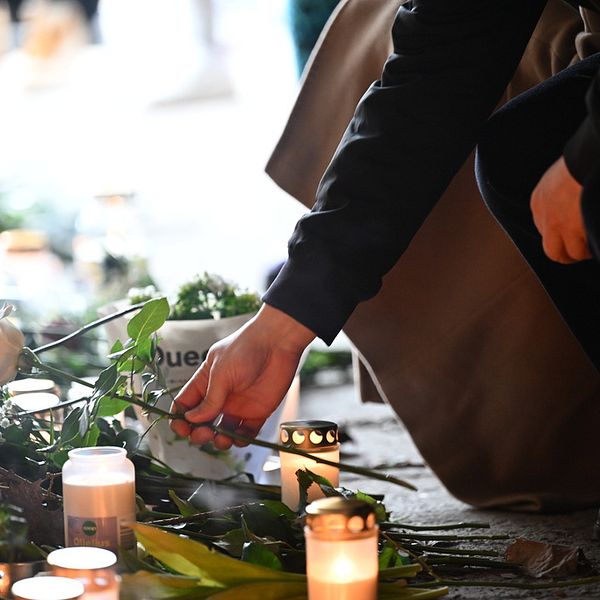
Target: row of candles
x=99, y=504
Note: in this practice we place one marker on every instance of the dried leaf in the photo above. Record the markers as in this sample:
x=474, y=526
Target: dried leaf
x=539, y=559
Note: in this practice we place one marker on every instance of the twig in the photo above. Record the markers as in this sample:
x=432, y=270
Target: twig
x=87, y=328
x=342, y=466
x=446, y=527
x=453, y=551
x=470, y=561
x=444, y=538
x=510, y=584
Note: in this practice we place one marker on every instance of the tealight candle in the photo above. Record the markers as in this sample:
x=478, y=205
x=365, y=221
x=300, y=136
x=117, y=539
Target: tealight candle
x=341, y=550
x=93, y=567
x=314, y=437
x=47, y=588
x=99, y=498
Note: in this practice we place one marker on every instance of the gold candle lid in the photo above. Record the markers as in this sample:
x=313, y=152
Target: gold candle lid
x=339, y=517
x=309, y=435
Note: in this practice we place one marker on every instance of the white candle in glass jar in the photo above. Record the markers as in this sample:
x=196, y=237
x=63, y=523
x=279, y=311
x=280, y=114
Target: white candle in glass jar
x=319, y=438
x=93, y=567
x=341, y=550
x=99, y=498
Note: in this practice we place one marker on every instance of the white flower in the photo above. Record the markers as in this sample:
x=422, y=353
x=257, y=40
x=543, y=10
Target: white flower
x=11, y=344
x=4, y=423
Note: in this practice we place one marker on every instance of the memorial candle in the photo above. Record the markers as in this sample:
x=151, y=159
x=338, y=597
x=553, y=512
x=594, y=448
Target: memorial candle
x=315, y=437
x=93, y=567
x=47, y=588
x=341, y=550
x=99, y=498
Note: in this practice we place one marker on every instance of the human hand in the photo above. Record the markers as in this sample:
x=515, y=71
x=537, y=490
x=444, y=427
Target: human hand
x=244, y=377
x=556, y=208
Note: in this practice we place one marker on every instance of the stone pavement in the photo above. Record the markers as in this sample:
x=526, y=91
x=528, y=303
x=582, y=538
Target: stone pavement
x=378, y=438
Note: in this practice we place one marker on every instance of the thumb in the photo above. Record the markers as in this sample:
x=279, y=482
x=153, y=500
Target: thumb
x=213, y=402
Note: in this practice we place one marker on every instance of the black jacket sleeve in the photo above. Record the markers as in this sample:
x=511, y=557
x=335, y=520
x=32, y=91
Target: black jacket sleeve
x=582, y=152
x=411, y=132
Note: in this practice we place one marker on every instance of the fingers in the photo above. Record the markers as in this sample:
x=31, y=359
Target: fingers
x=189, y=396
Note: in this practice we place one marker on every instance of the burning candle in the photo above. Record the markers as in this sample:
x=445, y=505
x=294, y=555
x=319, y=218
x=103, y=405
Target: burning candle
x=47, y=588
x=341, y=550
x=315, y=437
x=93, y=567
x=99, y=498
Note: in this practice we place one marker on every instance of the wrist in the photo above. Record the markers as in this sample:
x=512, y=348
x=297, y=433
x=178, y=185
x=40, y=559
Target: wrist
x=289, y=334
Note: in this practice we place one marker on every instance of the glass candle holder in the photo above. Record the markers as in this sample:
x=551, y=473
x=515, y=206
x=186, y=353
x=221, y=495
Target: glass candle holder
x=341, y=550
x=99, y=498
x=315, y=437
x=93, y=567
x=47, y=588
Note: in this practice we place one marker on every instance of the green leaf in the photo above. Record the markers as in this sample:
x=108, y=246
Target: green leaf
x=84, y=421
x=258, y=554
x=279, y=509
x=279, y=590
x=387, y=556
x=150, y=319
x=400, y=571
x=106, y=382
x=143, y=585
x=183, y=506
x=108, y=407
x=379, y=507
x=306, y=478
x=70, y=428
x=116, y=347
x=194, y=559
x=145, y=350
x=91, y=437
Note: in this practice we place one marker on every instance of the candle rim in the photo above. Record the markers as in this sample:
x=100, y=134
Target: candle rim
x=82, y=558
x=91, y=453
x=52, y=588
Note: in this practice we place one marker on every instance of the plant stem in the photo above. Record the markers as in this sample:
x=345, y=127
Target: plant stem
x=342, y=466
x=87, y=328
x=452, y=551
x=54, y=371
x=448, y=527
x=510, y=584
x=444, y=538
x=470, y=561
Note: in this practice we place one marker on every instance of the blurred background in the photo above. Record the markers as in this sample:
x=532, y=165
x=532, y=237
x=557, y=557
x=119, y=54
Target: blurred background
x=134, y=136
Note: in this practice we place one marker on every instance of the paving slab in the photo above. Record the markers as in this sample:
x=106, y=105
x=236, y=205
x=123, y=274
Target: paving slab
x=379, y=438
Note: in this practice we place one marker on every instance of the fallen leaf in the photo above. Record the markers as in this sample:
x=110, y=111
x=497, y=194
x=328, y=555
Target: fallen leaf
x=539, y=559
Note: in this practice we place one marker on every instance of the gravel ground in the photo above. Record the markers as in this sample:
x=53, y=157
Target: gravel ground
x=378, y=438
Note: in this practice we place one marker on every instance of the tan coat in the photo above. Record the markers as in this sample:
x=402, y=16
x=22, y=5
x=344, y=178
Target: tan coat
x=462, y=340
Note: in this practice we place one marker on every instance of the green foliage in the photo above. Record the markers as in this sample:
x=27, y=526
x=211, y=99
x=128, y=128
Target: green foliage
x=14, y=543
x=331, y=359
x=209, y=295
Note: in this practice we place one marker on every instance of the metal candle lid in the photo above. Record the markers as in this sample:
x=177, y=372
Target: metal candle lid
x=309, y=435
x=340, y=518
